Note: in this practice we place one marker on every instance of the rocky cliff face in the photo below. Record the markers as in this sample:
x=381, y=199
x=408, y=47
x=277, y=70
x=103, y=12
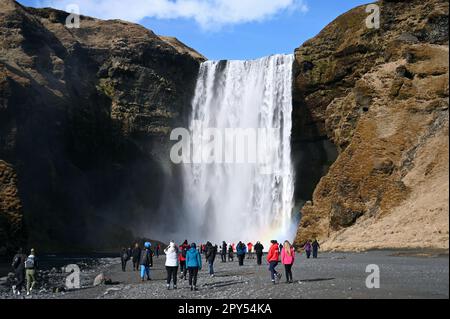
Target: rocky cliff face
x=84, y=121
x=381, y=97
x=85, y=115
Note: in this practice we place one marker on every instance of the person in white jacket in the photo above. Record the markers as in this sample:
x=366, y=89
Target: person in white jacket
x=171, y=264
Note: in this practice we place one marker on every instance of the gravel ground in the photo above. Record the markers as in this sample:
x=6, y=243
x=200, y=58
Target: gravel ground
x=331, y=276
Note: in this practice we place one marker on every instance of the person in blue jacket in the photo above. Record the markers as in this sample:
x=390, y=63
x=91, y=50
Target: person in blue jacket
x=193, y=264
x=241, y=249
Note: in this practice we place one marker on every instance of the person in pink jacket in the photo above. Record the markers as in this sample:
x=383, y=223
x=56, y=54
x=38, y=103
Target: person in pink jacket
x=287, y=259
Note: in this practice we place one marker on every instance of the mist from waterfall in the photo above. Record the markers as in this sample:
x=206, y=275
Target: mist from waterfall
x=246, y=201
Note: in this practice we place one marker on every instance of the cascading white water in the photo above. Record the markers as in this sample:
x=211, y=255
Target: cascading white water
x=235, y=201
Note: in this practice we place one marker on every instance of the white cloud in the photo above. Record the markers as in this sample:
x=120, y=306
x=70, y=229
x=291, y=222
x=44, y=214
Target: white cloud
x=209, y=14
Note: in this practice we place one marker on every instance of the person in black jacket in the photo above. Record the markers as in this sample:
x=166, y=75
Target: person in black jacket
x=259, y=252
x=124, y=258
x=158, y=249
x=18, y=264
x=224, y=252
x=315, y=248
x=146, y=261
x=210, y=254
x=230, y=253
x=136, y=256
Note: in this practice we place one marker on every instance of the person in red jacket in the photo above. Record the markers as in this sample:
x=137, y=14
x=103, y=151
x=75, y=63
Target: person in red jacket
x=183, y=251
x=249, y=250
x=272, y=258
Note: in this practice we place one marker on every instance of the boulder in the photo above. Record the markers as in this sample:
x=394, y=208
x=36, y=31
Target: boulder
x=99, y=280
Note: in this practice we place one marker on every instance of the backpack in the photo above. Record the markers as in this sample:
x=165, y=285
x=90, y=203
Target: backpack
x=29, y=263
x=145, y=257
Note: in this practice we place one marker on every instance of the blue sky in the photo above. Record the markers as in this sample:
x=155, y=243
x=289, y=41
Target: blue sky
x=222, y=29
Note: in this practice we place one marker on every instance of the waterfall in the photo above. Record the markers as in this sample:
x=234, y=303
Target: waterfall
x=231, y=197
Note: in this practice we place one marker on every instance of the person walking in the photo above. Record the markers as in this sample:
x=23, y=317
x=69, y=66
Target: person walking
x=146, y=261
x=18, y=264
x=259, y=248
x=194, y=265
x=307, y=247
x=158, y=249
x=136, y=256
x=241, y=249
x=250, y=250
x=124, y=258
x=230, y=253
x=211, y=252
x=171, y=252
x=287, y=259
x=224, y=252
x=272, y=258
x=315, y=248
x=182, y=256
x=30, y=271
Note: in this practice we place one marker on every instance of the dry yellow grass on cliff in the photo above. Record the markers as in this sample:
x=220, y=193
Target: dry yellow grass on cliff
x=422, y=220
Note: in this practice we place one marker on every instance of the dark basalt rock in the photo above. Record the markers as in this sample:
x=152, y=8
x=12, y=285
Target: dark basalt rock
x=84, y=121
